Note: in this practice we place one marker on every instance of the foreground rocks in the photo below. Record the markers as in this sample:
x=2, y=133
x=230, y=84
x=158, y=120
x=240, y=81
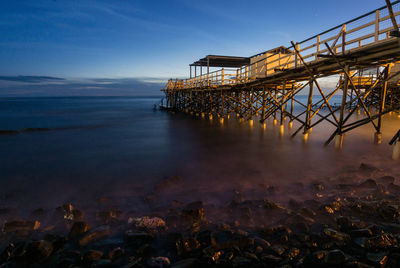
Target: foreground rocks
x=342, y=225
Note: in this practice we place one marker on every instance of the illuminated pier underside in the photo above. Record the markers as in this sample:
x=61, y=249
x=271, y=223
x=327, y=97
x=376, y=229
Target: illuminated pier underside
x=268, y=85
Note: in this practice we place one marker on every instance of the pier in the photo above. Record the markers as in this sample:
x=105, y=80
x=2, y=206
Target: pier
x=362, y=55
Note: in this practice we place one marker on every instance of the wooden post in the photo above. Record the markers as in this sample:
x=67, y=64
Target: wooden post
x=297, y=46
x=377, y=26
x=344, y=39
x=222, y=76
x=309, y=106
x=378, y=134
x=247, y=73
x=237, y=76
x=339, y=136
x=318, y=46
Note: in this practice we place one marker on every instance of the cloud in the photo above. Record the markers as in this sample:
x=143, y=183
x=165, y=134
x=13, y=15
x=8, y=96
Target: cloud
x=30, y=79
x=39, y=86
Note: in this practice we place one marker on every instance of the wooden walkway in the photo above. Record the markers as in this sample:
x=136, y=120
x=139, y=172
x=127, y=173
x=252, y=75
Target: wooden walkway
x=362, y=54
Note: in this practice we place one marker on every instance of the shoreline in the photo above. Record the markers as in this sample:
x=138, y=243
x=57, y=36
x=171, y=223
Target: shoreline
x=338, y=223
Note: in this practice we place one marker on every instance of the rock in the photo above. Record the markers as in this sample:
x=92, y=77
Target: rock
x=381, y=241
x=388, y=213
x=116, y=254
x=135, y=237
x=92, y=256
x=368, y=184
x=146, y=251
x=57, y=241
x=160, y=262
x=335, y=257
x=194, y=211
x=361, y=233
x=278, y=249
x=78, y=228
x=270, y=259
x=377, y=259
x=186, y=263
x=148, y=224
x=368, y=168
x=68, y=212
x=102, y=263
x=394, y=188
x=293, y=253
x=315, y=259
x=94, y=235
x=239, y=261
x=346, y=224
x=386, y=179
x=14, y=226
x=338, y=236
x=38, y=251
x=318, y=187
x=187, y=245
x=108, y=216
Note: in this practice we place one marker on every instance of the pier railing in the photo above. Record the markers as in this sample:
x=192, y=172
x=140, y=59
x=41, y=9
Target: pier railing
x=353, y=35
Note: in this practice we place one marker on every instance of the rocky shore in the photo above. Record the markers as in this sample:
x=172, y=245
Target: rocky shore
x=343, y=224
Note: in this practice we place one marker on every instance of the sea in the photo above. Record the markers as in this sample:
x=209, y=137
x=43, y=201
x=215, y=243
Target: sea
x=56, y=150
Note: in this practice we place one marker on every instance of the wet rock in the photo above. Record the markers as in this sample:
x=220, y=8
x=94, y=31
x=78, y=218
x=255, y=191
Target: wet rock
x=14, y=226
x=78, y=228
x=318, y=187
x=346, y=224
x=393, y=188
x=368, y=184
x=271, y=259
x=278, y=249
x=68, y=212
x=38, y=251
x=338, y=236
x=368, y=168
x=103, y=263
x=361, y=233
x=194, y=211
x=315, y=259
x=294, y=204
x=94, y=235
x=149, y=224
x=186, y=263
x=386, y=179
x=239, y=261
x=335, y=257
x=116, y=253
x=381, y=241
x=146, y=251
x=377, y=259
x=92, y=256
x=293, y=253
x=137, y=238
x=160, y=262
x=57, y=241
x=388, y=213
x=108, y=216
x=187, y=245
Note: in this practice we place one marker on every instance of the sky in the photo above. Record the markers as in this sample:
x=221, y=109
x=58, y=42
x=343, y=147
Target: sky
x=131, y=47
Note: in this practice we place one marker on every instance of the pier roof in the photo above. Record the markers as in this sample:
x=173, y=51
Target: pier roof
x=222, y=61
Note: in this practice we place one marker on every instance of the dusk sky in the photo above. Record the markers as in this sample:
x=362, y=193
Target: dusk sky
x=143, y=42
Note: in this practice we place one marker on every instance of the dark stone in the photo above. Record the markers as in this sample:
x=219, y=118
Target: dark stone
x=388, y=213
x=368, y=168
x=137, y=238
x=108, y=216
x=381, y=241
x=91, y=256
x=38, y=251
x=345, y=224
x=239, y=261
x=186, y=263
x=335, y=257
x=187, y=245
x=94, y=235
x=14, y=226
x=78, y=228
x=368, y=184
x=386, y=179
x=146, y=251
x=194, y=211
x=315, y=259
x=377, y=259
x=361, y=233
x=116, y=253
x=394, y=188
x=103, y=263
x=336, y=235
x=270, y=259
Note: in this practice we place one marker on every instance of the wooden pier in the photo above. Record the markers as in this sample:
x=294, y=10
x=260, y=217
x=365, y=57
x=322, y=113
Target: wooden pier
x=362, y=54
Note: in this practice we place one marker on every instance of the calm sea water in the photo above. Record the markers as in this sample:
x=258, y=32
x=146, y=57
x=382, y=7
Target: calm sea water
x=90, y=147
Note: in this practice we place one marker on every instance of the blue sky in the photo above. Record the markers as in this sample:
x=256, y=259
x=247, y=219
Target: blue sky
x=149, y=41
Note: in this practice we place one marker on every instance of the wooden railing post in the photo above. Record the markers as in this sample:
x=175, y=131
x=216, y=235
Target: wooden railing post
x=295, y=56
x=344, y=39
x=237, y=76
x=377, y=26
x=246, y=73
x=222, y=76
x=318, y=46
